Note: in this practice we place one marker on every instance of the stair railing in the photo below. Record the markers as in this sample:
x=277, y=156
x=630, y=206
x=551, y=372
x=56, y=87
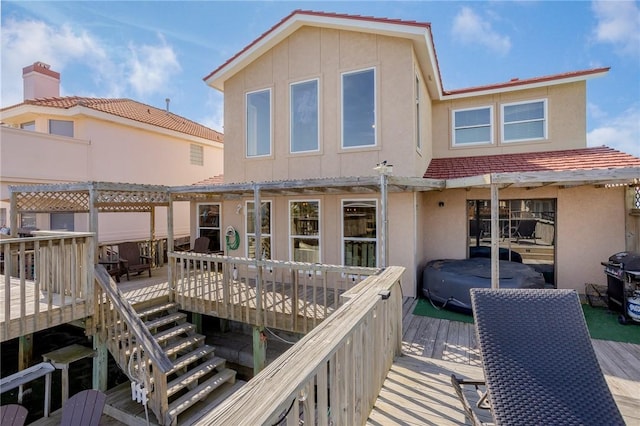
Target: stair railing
x=130, y=342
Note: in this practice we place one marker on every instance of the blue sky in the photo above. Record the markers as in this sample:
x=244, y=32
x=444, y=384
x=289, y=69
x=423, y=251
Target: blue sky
x=152, y=50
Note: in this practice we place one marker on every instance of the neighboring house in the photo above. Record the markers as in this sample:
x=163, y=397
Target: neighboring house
x=53, y=139
x=314, y=104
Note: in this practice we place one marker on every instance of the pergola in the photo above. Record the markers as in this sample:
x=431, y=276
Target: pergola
x=96, y=197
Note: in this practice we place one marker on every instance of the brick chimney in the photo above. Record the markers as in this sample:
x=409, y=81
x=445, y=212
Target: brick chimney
x=39, y=81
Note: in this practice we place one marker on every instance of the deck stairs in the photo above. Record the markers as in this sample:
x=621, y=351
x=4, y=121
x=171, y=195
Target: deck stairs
x=198, y=376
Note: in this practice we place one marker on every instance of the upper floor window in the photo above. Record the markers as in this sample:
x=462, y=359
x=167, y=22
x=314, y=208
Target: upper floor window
x=265, y=229
x=61, y=127
x=209, y=225
x=259, y=123
x=359, y=109
x=524, y=121
x=473, y=126
x=196, y=155
x=31, y=125
x=304, y=116
x=304, y=231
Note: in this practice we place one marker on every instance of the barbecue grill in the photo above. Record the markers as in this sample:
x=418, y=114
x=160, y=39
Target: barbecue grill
x=623, y=277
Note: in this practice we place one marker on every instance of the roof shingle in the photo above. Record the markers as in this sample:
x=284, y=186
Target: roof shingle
x=597, y=158
x=127, y=108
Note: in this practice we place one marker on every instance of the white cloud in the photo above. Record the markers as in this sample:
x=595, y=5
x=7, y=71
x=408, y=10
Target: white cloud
x=619, y=24
x=25, y=42
x=214, y=104
x=621, y=133
x=470, y=28
x=151, y=67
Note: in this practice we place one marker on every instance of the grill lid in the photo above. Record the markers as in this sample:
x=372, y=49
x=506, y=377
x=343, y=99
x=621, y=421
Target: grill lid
x=626, y=260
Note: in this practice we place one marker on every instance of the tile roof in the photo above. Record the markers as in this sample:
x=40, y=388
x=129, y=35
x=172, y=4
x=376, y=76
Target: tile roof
x=514, y=82
x=213, y=180
x=597, y=158
x=132, y=110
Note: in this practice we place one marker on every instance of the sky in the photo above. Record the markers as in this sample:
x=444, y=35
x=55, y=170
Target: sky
x=152, y=50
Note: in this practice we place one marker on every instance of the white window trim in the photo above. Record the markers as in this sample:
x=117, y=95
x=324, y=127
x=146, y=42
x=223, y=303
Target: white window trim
x=342, y=237
x=246, y=126
x=453, y=127
x=219, y=227
x=317, y=80
x=318, y=237
x=545, y=128
x=247, y=234
x=375, y=109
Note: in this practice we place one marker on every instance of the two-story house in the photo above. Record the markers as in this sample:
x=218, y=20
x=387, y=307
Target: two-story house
x=52, y=139
x=319, y=107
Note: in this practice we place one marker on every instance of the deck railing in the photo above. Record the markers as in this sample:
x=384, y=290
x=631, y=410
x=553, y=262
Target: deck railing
x=289, y=296
x=46, y=281
x=333, y=374
x=130, y=342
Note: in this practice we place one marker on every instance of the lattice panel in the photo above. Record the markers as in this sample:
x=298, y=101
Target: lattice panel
x=636, y=198
x=52, y=201
x=132, y=197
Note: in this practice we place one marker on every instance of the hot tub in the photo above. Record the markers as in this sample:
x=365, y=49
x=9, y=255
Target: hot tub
x=447, y=281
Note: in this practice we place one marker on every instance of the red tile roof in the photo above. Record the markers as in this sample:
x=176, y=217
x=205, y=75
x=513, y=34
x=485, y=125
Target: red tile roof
x=518, y=82
x=598, y=158
x=214, y=180
x=127, y=108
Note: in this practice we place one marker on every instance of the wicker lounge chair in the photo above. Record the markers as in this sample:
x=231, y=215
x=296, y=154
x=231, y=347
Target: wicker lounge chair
x=539, y=364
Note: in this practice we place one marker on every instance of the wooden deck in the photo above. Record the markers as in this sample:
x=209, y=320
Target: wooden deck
x=418, y=389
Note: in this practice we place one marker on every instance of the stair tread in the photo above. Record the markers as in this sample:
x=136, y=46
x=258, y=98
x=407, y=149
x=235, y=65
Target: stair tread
x=167, y=319
x=201, y=391
x=174, y=331
x=157, y=308
x=186, y=342
x=191, y=357
x=194, y=374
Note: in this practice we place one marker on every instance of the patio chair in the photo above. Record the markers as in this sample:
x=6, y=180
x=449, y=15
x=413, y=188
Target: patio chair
x=538, y=361
x=525, y=230
x=201, y=245
x=84, y=408
x=13, y=415
x=132, y=260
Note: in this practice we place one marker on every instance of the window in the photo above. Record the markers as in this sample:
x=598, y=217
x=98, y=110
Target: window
x=61, y=222
x=418, y=119
x=472, y=126
x=524, y=121
x=28, y=220
x=196, y=155
x=259, y=123
x=31, y=125
x=265, y=243
x=359, y=232
x=358, y=109
x=209, y=225
x=304, y=231
x=304, y=116
x=61, y=127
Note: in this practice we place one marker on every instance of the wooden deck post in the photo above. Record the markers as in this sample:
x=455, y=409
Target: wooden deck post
x=100, y=362
x=259, y=349
x=25, y=355
x=495, y=236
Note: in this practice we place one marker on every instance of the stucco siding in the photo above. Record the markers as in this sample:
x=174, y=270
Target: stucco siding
x=566, y=121
x=324, y=54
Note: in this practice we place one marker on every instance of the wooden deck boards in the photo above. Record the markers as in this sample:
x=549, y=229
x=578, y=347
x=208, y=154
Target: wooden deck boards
x=418, y=390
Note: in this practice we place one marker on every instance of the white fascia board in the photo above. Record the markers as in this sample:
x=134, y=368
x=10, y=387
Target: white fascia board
x=518, y=87
x=414, y=32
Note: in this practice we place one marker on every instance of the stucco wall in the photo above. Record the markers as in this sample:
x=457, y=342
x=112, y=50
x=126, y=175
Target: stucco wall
x=324, y=54
x=566, y=119
x=589, y=227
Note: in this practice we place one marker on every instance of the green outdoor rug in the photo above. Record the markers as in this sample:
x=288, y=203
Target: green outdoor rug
x=601, y=323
